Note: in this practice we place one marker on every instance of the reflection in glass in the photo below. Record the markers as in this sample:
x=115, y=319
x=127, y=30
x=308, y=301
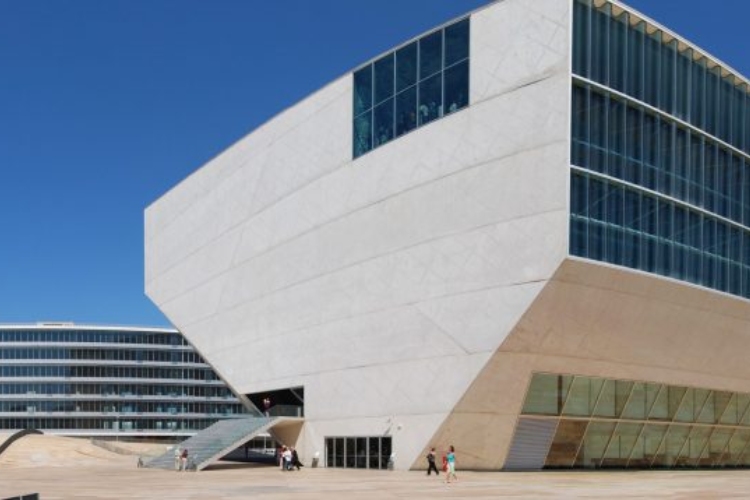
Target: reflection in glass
x=594, y=444
x=716, y=446
x=694, y=447
x=582, y=396
x=615, y=49
x=362, y=134
x=456, y=87
x=406, y=66
x=374, y=453
x=413, y=70
x=606, y=406
x=430, y=54
x=737, y=444
x=362, y=90
x=406, y=111
x=385, y=451
x=564, y=446
x=383, y=78
x=592, y=432
x=383, y=131
x=619, y=138
x=456, y=42
x=647, y=446
x=638, y=405
x=430, y=100
x=361, y=453
x=541, y=397
x=621, y=445
x=339, y=454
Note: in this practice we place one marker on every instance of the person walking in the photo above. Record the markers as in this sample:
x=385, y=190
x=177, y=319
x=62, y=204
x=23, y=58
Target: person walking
x=184, y=459
x=177, y=455
x=431, y=463
x=451, y=459
x=286, y=459
x=295, y=459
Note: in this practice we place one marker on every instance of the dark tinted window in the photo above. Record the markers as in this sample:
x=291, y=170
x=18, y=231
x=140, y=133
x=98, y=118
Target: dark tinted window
x=411, y=86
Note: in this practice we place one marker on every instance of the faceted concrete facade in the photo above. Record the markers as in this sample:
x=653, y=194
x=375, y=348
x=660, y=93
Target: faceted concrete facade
x=414, y=291
x=382, y=285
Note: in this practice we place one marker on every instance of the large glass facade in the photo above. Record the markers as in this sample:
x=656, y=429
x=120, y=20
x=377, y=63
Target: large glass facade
x=607, y=423
x=660, y=143
x=410, y=87
x=107, y=381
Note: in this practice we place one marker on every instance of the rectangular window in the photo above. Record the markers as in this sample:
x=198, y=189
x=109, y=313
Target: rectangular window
x=406, y=111
x=652, y=68
x=682, y=82
x=456, y=87
x=635, y=60
x=580, y=127
x=617, y=134
x=383, y=123
x=668, y=60
x=456, y=42
x=362, y=90
x=383, y=68
x=581, y=42
x=599, y=44
x=406, y=66
x=410, y=87
x=430, y=55
x=634, y=146
x=697, y=92
x=358, y=452
x=617, y=46
x=430, y=99
x=579, y=215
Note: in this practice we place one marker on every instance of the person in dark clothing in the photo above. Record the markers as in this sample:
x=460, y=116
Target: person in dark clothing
x=295, y=460
x=431, y=463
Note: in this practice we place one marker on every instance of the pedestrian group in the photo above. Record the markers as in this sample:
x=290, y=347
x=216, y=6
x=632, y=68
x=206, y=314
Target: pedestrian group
x=448, y=465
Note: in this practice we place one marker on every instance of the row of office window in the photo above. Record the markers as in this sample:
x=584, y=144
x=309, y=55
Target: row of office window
x=103, y=424
x=183, y=407
x=36, y=371
x=616, y=49
x=626, y=226
x=411, y=86
x=93, y=336
x=623, y=140
x=620, y=423
x=100, y=354
x=148, y=390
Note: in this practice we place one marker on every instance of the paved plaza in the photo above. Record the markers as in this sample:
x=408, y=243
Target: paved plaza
x=66, y=468
x=237, y=482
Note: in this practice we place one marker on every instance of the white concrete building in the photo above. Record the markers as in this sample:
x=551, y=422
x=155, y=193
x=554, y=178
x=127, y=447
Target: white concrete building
x=408, y=252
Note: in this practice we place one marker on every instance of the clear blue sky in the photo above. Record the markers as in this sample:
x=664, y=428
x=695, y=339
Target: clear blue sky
x=105, y=105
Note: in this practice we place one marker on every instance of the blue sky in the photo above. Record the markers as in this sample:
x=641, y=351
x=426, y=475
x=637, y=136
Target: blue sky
x=105, y=105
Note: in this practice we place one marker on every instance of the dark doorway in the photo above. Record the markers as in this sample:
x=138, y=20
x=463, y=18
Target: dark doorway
x=288, y=402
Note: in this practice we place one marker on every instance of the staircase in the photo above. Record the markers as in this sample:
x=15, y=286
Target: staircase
x=531, y=444
x=215, y=441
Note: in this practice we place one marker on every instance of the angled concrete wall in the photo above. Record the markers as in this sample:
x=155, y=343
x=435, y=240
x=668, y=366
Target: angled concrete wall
x=382, y=285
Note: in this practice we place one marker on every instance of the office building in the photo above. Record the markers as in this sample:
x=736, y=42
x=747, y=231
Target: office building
x=107, y=381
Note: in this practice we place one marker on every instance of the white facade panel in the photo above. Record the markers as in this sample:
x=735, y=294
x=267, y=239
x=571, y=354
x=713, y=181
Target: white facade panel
x=384, y=284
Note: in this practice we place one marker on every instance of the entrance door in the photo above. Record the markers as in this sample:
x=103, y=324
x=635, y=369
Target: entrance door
x=371, y=452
